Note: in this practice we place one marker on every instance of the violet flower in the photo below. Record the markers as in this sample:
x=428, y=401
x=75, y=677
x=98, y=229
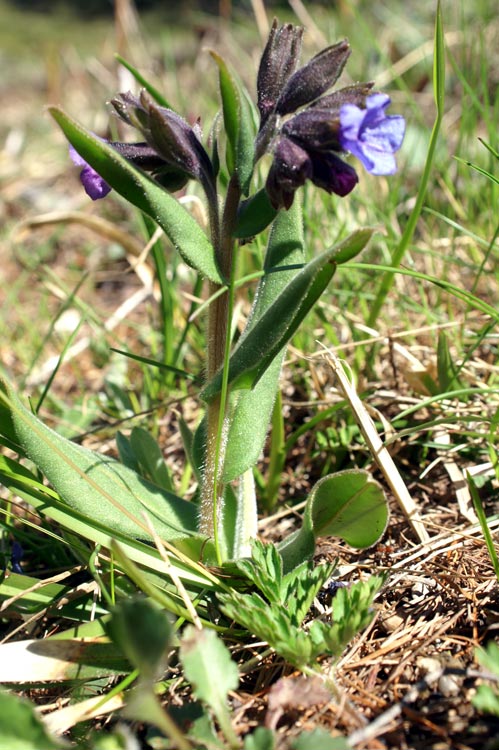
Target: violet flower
x=371, y=135
x=94, y=185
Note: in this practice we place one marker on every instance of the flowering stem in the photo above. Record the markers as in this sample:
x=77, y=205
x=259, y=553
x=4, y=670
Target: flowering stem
x=218, y=346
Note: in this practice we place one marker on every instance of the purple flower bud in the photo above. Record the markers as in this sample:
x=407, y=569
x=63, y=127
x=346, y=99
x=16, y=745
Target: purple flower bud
x=174, y=141
x=289, y=171
x=356, y=94
x=279, y=60
x=371, y=135
x=177, y=143
x=314, y=78
x=316, y=129
x=95, y=186
x=16, y=555
x=130, y=109
x=330, y=173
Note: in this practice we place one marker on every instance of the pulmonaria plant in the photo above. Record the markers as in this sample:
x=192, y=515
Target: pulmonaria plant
x=308, y=130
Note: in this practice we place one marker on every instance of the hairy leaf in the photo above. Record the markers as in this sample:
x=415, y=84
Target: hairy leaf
x=350, y=505
x=143, y=192
x=258, y=347
x=98, y=486
x=251, y=409
x=238, y=125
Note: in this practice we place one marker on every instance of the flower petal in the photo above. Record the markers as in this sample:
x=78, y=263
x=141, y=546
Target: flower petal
x=332, y=174
x=95, y=186
x=371, y=135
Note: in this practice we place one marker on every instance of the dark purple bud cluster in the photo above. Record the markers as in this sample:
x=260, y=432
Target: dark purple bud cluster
x=172, y=151
x=308, y=145
x=171, y=138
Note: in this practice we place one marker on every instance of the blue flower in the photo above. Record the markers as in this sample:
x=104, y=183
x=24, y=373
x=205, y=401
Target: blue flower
x=371, y=135
x=94, y=185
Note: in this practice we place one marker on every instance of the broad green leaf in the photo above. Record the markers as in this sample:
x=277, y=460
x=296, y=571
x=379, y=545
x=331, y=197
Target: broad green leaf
x=96, y=485
x=47, y=502
x=142, y=453
x=255, y=214
x=212, y=673
x=143, y=192
x=350, y=505
x=143, y=633
x=48, y=660
x=275, y=327
x=21, y=728
x=238, y=123
x=319, y=738
x=251, y=409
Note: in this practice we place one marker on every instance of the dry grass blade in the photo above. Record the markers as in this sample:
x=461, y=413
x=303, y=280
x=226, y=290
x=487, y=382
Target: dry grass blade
x=378, y=450
x=64, y=718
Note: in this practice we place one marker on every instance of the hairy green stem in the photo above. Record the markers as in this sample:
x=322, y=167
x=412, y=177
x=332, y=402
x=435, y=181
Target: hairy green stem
x=219, y=313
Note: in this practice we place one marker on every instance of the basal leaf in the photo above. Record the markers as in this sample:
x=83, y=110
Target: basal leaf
x=143, y=192
x=143, y=633
x=96, y=485
x=47, y=502
x=263, y=341
x=21, y=728
x=350, y=505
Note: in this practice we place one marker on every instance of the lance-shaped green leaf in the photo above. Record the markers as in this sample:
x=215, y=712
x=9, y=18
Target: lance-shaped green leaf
x=350, y=505
x=254, y=215
x=143, y=192
x=263, y=341
x=23, y=483
x=251, y=409
x=96, y=485
x=238, y=123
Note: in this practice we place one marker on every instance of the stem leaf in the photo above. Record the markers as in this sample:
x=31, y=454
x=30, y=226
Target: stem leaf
x=143, y=192
x=238, y=122
x=251, y=409
x=267, y=337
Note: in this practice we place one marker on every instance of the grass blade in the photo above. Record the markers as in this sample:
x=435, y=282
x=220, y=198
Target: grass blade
x=439, y=92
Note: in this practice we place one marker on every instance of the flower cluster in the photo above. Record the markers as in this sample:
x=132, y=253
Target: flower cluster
x=307, y=128
x=308, y=145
